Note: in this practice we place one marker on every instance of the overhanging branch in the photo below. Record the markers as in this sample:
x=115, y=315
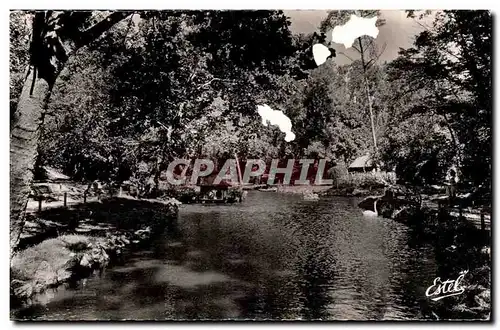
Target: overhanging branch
x=98, y=29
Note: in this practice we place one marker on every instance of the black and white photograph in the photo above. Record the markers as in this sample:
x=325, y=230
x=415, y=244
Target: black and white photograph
x=250, y=165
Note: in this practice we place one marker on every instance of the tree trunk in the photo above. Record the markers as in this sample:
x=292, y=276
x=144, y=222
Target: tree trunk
x=367, y=88
x=370, y=107
x=47, y=60
x=24, y=136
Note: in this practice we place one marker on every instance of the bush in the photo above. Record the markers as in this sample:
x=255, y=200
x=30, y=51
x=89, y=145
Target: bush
x=338, y=174
x=367, y=180
x=184, y=194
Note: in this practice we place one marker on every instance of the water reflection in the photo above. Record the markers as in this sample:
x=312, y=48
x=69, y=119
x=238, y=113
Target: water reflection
x=271, y=257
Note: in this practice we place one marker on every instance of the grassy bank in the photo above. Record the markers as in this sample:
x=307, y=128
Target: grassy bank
x=54, y=262
x=90, y=236
x=359, y=184
x=193, y=194
x=302, y=189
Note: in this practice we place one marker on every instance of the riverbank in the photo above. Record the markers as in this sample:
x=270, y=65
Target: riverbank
x=324, y=190
x=302, y=189
x=208, y=193
x=354, y=191
x=89, y=237
x=459, y=247
x=460, y=243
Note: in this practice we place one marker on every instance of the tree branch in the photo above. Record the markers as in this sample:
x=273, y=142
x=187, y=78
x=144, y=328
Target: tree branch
x=354, y=47
x=347, y=56
x=128, y=29
x=212, y=80
x=98, y=29
x=377, y=57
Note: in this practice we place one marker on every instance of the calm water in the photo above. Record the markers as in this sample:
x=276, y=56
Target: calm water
x=272, y=257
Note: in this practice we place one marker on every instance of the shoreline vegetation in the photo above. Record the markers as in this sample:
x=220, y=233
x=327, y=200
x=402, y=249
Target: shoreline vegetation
x=89, y=237
x=459, y=246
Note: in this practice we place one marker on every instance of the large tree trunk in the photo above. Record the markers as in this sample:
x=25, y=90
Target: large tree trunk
x=48, y=56
x=24, y=136
x=367, y=89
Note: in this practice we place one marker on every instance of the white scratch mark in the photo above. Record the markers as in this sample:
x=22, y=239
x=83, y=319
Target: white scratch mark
x=356, y=27
x=320, y=53
x=278, y=118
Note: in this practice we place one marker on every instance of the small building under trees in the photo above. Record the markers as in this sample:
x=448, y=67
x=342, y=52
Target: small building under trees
x=52, y=175
x=361, y=164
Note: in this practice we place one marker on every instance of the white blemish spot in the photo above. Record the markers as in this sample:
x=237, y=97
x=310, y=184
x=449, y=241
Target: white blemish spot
x=320, y=53
x=278, y=118
x=354, y=28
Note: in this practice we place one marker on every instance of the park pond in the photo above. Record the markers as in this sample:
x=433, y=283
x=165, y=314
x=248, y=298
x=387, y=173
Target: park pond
x=274, y=256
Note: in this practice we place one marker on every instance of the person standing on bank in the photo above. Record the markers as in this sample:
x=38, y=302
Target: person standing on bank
x=451, y=184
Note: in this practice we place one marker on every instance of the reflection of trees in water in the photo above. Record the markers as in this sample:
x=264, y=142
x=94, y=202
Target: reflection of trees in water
x=315, y=284
x=248, y=247
x=416, y=270
x=294, y=272
x=458, y=245
x=315, y=264
x=295, y=257
x=323, y=249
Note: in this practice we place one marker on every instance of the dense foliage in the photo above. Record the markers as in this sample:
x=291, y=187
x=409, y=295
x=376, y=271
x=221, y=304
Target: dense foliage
x=163, y=85
x=445, y=80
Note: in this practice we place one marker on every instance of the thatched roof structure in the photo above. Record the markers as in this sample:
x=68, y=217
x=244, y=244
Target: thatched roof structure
x=362, y=163
x=52, y=174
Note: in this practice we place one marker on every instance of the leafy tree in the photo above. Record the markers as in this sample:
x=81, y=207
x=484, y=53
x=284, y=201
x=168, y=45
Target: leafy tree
x=157, y=89
x=367, y=51
x=19, y=53
x=417, y=148
x=55, y=36
x=447, y=73
x=328, y=115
